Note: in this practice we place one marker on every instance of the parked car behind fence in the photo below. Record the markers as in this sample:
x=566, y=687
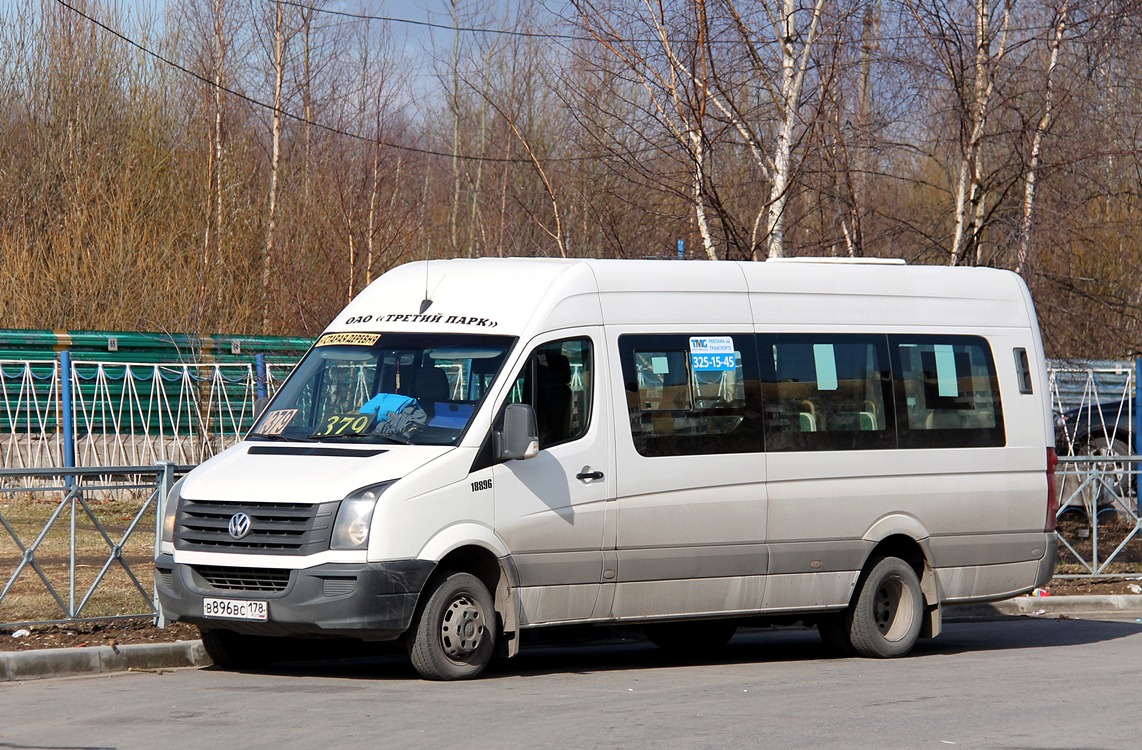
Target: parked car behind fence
x=1103, y=429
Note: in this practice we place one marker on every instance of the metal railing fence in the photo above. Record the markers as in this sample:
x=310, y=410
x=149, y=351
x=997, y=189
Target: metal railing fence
x=63, y=413
x=1096, y=437
x=29, y=413
x=1099, y=518
x=78, y=544
x=1094, y=403
x=275, y=376
x=131, y=415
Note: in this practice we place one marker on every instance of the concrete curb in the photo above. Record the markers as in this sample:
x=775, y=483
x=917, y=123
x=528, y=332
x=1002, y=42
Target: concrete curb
x=63, y=662
x=1045, y=606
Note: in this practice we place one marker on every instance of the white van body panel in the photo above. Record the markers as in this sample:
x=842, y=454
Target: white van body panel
x=599, y=528
x=513, y=296
x=428, y=525
x=452, y=538
x=285, y=478
x=804, y=296
x=634, y=293
x=553, y=520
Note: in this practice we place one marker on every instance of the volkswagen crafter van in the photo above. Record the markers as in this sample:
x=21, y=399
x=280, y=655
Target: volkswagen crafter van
x=477, y=448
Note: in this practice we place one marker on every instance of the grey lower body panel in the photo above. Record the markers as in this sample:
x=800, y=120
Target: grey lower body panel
x=1047, y=564
x=987, y=567
x=369, y=601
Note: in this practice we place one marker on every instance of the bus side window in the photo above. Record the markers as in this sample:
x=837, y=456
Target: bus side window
x=691, y=394
x=556, y=380
x=827, y=392
x=949, y=391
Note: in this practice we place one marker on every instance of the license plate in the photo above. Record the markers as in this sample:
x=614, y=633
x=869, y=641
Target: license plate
x=234, y=609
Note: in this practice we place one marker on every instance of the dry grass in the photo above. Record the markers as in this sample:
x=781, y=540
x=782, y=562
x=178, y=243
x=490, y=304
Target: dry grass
x=1111, y=533
x=30, y=598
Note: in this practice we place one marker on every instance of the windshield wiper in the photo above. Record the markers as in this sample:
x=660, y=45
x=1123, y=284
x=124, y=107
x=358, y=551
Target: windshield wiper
x=393, y=437
x=372, y=436
x=283, y=438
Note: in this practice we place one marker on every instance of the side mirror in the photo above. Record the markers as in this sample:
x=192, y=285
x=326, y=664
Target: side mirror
x=260, y=406
x=519, y=438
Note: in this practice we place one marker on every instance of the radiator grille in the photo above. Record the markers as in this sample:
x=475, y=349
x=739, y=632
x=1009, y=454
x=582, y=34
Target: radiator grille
x=275, y=528
x=244, y=579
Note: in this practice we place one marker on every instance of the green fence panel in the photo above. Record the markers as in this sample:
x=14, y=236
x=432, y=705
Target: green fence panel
x=133, y=380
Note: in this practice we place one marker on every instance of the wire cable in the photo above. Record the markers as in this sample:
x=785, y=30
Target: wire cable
x=295, y=117
x=440, y=26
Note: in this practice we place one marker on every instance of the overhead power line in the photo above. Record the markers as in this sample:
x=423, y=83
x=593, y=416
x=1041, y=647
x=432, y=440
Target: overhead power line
x=286, y=113
x=590, y=38
x=441, y=26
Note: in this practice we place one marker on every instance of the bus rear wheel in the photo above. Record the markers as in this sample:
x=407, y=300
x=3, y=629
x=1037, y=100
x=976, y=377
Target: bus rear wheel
x=888, y=612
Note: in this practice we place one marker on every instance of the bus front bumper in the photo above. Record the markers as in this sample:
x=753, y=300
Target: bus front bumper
x=368, y=601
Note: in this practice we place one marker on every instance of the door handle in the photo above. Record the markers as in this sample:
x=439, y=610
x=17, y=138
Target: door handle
x=587, y=475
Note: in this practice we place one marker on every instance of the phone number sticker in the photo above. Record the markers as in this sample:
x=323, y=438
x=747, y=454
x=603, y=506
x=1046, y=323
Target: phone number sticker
x=713, y=362
x=712, y=354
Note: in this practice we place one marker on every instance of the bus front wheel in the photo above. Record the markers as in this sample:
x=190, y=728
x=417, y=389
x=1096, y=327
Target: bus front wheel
x=453, y=636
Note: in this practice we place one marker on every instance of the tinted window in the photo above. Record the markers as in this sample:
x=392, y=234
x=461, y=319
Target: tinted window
x=949, y=392
x=692, y=394
x=557, y=380
x=827, y=392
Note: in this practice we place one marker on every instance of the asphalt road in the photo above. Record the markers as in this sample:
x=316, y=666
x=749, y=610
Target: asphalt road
x=1016, y=683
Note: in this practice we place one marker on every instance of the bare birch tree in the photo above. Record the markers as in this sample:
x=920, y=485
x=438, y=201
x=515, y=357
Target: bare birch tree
x=677, y=91
x=973, y=91
x=775, y=39
x=280, y=35
x=1042, y=127
x=214, y=26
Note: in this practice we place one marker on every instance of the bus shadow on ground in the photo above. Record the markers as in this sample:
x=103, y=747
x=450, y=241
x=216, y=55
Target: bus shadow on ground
x=616, y=651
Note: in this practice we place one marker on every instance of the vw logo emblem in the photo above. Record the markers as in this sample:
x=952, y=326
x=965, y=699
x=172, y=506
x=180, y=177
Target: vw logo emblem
x=239, y=525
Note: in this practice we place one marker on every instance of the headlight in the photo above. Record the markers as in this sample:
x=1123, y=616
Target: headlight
x=355, y=516
x=170, y=510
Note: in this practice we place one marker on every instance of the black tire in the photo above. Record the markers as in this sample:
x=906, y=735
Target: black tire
x=1073, y=514
x=886, y=617
x=691, y=638
x=834, y=632
x=1119, y=482
x=230, y=650
x=454, y=632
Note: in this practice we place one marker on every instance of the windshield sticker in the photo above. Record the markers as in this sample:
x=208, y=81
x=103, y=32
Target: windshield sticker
x=344, y=424
x=351, y=339
x=276, y=422
x=712, y=354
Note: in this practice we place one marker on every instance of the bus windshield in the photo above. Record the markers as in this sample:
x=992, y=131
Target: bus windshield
x=382, y=388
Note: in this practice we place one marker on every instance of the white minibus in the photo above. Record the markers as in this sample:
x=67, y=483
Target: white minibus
x=475, y=449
